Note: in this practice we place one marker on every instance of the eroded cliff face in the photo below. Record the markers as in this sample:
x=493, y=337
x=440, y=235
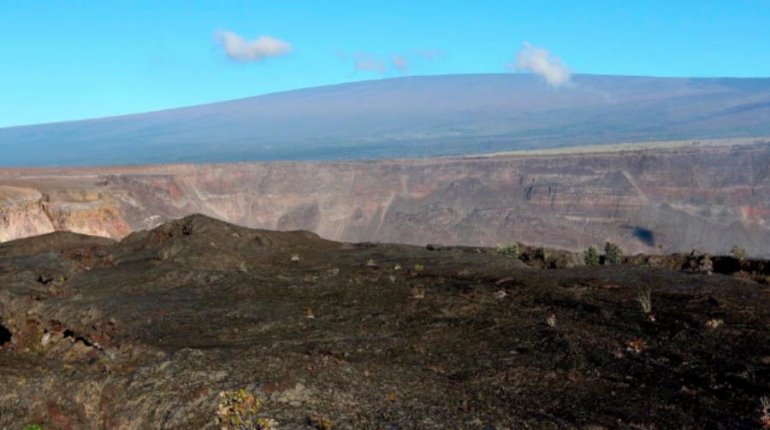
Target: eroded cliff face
x=88, y=212
x=651, y=201
x=22, y=213
x=28, y=212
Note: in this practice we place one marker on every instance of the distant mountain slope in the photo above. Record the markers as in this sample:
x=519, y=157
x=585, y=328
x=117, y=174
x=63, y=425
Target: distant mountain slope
x=407, y=117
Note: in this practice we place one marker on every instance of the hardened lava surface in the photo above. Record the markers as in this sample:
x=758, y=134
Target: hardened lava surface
x=149, y=332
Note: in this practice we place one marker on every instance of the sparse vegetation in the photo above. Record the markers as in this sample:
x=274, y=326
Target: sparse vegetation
x=645, y=301
x=319, y=422
x=706, y=265
x=238, y=410
x=591, y=256
x=513, y=250
x=612, y=253
x=594, y=325
x=738, y=252
x=551, y=321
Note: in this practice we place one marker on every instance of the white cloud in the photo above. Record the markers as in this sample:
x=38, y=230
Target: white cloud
x=540, y=62
x=244, y=51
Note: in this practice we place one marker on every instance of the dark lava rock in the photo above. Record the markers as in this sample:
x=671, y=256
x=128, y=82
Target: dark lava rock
x=165, y=328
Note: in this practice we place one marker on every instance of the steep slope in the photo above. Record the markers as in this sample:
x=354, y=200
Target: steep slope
x=22, y=213
x=407, y=117
x=651, y=201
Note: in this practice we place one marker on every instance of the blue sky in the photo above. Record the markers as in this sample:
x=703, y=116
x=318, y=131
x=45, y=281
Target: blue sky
x=71, y=59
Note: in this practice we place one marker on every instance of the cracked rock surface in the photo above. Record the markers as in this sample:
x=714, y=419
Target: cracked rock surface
x=147, y=332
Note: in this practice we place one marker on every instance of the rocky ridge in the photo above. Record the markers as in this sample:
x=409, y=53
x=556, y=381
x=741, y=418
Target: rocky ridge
x=172, y=327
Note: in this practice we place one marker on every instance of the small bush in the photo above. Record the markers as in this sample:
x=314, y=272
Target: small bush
x=510, y=250
x=612, y=253
x=645, y=301
x=551, y=321
x=738, y=252
x=238, y=410
x=591, y=256
x=706, y=265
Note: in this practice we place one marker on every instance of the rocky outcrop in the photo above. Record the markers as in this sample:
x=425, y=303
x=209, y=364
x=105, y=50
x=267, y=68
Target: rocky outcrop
x=22, y=213
x=94, y=214
x=650, y=200
x=28, y=212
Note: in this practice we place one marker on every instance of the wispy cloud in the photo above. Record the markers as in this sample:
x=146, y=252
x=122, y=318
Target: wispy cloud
x=429, y=54
x=242, y=50
x=368, y=63
x=400, y=63
x=382, y=64
x=540, y=62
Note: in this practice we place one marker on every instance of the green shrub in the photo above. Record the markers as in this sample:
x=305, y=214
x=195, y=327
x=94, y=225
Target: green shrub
x=510, y=250
x=591, y=256
x=738, y=252
x=706, y=265
x=612, y=253
x=238, y=410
